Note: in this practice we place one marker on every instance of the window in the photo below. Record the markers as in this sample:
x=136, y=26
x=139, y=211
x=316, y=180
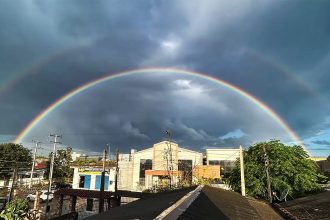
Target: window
x=145, y=164
x=214, y=162
x=186, y=167
x=226, y=167
x=81, y=181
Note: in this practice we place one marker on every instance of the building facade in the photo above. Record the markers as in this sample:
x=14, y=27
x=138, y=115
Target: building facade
x=89, y=178
x=168, y=163
x=225, y=158
x=165, y=163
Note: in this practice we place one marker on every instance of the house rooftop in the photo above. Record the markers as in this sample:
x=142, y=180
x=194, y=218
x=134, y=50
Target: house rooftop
x=211, y=203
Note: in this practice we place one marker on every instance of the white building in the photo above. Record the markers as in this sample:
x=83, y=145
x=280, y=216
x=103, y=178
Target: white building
x=163, y=162
x=225, y=158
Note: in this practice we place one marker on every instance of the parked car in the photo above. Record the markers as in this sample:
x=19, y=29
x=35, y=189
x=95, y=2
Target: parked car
x=43, y=196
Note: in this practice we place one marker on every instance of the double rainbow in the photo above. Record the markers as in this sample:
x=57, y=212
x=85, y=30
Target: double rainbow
x=109, y=77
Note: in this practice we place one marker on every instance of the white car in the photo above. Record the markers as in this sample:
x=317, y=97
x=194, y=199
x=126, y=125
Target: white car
x=43, y=196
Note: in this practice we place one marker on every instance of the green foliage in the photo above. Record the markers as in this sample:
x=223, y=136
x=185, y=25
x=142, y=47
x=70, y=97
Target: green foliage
x=15, y=209
x=289, y=168
x=62, y=171
x=11, y=153
x=159, y=188
x=203, y=181
x=164, y=187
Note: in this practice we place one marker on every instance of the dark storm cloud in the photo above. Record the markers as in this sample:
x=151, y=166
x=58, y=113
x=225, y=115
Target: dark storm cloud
x=134, y=112
x=251, y=50
x=105, y=52
x=254, y=46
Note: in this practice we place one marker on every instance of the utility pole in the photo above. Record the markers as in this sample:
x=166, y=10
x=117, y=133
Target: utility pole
x=168, y=132
x=101, y=201
x=50, y=180
x=267, y=174
x=34, y=160
x=104, y=158
x=167, y=166
x=118, y=198
x=13, y=183
x=242, y=170
x=109, y=152
x=117, y=170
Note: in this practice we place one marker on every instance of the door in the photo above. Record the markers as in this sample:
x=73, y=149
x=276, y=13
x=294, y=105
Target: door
x=106, y=183
x=87, y=183
x=98, y=182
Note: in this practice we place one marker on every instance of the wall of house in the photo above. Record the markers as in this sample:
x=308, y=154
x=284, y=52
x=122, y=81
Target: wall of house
x=125, y=175
x=222, y=154
x=164, y=153
x=136, y=157
x=195, y=157
x=158, y=154
x=93, y=179
x=75, y=180
x=205, y=171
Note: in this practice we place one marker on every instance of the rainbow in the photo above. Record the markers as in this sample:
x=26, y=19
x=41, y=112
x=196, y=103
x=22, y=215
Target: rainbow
x=38, y=67
x=108, y=77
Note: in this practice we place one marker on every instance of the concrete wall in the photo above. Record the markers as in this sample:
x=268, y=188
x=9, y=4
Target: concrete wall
x=222, y=154
x=136, y=157
x=76, y=177
x=75, y=180
x=162, y=151
x=195, y=157
x=125, y=175
x=205, y=171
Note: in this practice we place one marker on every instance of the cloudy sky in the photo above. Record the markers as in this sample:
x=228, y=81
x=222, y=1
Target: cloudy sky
x=278, y=51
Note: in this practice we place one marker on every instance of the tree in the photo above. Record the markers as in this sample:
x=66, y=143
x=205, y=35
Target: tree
x=14, y=155
x=62, y=171
x=15, y=209
x=289, y=169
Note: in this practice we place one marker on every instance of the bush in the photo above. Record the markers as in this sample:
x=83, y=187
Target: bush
x=15, y=209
